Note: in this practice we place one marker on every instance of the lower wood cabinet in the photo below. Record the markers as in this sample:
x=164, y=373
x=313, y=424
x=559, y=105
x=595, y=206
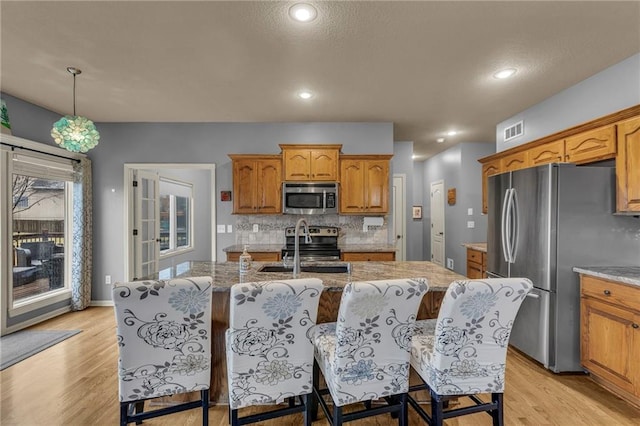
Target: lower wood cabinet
x=610, y=335
x=476, y=264
x=368, y=256
x=260, y=256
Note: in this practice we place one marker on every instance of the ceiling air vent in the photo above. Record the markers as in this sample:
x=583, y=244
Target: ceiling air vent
x=514, y=131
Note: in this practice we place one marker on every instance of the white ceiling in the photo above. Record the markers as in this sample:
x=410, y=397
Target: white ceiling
x=425, y=66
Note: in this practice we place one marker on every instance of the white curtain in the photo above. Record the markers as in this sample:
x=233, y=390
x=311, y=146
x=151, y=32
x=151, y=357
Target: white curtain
x=82, y=246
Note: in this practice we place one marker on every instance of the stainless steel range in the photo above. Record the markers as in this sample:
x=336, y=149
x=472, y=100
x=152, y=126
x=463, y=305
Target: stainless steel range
x=323, y=245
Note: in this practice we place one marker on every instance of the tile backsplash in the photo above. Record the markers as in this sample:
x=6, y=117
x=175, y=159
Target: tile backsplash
x=271, y=228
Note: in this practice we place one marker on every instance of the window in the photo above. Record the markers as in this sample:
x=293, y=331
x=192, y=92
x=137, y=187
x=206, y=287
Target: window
x=40, y=217
x=176, y=222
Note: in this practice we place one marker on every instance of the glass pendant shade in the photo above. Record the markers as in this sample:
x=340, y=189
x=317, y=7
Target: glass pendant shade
x=75, y=133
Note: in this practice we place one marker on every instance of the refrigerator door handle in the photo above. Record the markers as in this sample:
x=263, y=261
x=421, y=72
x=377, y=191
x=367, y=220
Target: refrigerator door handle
x=503, y=227
x=508, y=235
x=515, y=215
x=533, y=295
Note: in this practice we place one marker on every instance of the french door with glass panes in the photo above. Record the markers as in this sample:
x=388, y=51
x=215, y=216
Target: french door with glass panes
x=147, y=230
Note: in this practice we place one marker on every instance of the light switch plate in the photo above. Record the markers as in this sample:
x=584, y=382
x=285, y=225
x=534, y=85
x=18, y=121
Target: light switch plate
x=470, y=211
x=221, y=229
x=256, y=228
x=229, y=229
x=471, y=224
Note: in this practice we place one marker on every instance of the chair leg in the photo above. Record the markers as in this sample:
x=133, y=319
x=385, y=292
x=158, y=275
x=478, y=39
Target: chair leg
x=437, y=410
x=313, y=402
x=403, y=418
x=204, y=394
x=498, y=413
x=233, y=417
x=139, y=408
x=306, y=400
x=124, y=413
x=337, y=415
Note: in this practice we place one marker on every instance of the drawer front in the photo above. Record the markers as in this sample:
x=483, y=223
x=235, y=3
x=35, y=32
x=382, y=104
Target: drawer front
x=257, y=256
x=611, y=292
x=474, y=256
x=368, y=257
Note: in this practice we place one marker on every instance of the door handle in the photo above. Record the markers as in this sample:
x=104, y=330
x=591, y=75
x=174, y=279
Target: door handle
x=516, y=233
x=533, y=295
x=398, y=237
x=503, y=227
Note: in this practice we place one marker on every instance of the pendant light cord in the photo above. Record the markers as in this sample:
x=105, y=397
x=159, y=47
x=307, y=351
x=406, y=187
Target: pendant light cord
x=74, y=94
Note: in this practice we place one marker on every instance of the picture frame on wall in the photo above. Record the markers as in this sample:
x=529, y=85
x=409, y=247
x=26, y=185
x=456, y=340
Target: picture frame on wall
x=417, y=212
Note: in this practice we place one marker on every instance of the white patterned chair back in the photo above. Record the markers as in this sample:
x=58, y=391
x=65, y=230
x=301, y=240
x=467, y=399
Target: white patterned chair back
x=269, y=353
x=373, y=339
x=164, y=337
x=467, y=354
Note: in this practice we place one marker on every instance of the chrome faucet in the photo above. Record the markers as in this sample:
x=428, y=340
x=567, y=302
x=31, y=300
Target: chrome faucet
x=296, y=250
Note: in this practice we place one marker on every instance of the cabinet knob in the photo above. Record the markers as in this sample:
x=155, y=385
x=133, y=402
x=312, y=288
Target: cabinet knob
x=607, y=293
x=634, y=325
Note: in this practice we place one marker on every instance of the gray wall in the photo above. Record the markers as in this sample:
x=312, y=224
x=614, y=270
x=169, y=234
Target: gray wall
x=614, y=89
x=458, y=167
x=402, y=163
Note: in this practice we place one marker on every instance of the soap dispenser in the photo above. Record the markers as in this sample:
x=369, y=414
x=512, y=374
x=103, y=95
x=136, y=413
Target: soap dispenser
x=245, y=261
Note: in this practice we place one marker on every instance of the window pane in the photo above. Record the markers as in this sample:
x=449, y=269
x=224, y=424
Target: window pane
x=182, y=221
x=38, y=233
x=165, y=221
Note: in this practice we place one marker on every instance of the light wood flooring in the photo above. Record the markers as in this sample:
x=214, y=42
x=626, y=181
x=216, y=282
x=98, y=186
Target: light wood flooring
x=75, y=383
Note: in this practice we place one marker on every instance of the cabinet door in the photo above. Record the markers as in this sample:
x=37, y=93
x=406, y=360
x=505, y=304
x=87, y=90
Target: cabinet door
x=552, y=152
x=244, y=186
x=269, y=183
x=324, y=164
x=352, y=186
x=488, y=169
x=603, y=328
x=515, y=161
x=628, y=166
x=297, y=164
x=597, y=144
x=376, y=186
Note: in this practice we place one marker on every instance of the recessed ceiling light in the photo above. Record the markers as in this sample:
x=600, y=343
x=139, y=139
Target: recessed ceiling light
x=440, y=140
x=505, y=73
x=305, y=94
x=452, y=133
x=303, y=12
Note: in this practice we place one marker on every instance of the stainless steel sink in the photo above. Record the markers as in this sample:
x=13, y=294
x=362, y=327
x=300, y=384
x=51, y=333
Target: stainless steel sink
x=318, y=269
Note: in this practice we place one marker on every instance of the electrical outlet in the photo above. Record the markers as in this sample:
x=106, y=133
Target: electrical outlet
x=470, y=211
x=229, y=229
x=107, y=279
x=449, y=263
x=221, y=229
x=471, y=224
x=256, y=227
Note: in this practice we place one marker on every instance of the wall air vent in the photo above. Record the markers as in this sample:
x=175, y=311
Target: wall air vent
x=514, y=131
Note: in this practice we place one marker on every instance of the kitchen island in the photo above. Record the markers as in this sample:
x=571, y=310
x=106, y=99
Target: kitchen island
x=227, y=274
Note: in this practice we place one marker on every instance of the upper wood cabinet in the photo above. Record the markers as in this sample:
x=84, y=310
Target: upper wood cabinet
x=310, y=162
x=257, y=184
x=628, y=166
x=488, y=169
x=594, y=145
x=552, y=152
x=515, y=161
x=364, y=184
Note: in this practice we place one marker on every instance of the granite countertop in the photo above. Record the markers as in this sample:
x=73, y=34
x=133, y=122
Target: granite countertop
x=344, y=248
x=622, y=274
x=476, y=246
x=226, y=274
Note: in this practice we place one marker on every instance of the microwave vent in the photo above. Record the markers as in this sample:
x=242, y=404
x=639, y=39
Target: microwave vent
x=514, y=131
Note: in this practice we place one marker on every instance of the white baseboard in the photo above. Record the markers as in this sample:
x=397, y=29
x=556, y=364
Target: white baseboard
x=101, y=303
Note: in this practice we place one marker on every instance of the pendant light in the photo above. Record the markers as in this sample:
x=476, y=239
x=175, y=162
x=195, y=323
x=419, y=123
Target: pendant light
x=72, y=132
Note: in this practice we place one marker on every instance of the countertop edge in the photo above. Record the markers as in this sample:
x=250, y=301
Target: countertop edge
x=476, y=246
x=626, y=275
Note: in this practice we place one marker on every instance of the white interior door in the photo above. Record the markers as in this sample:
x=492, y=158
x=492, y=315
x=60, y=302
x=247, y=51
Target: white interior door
x=437, y=222
x=399, y=216
x=146, y=234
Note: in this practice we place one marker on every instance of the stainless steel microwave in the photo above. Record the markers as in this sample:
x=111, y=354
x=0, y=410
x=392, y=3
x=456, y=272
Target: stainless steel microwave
x=310, y=198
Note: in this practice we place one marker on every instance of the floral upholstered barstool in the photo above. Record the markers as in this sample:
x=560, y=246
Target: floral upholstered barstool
x=364, y=356
x=269, y=353
x=164, y=344
x=464, y=351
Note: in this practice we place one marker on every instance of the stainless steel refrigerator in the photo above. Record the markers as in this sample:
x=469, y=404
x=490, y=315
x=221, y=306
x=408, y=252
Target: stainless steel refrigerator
x=543, y=221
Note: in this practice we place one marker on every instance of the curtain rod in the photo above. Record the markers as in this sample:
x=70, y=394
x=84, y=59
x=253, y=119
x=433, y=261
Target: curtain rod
x=13, y=147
